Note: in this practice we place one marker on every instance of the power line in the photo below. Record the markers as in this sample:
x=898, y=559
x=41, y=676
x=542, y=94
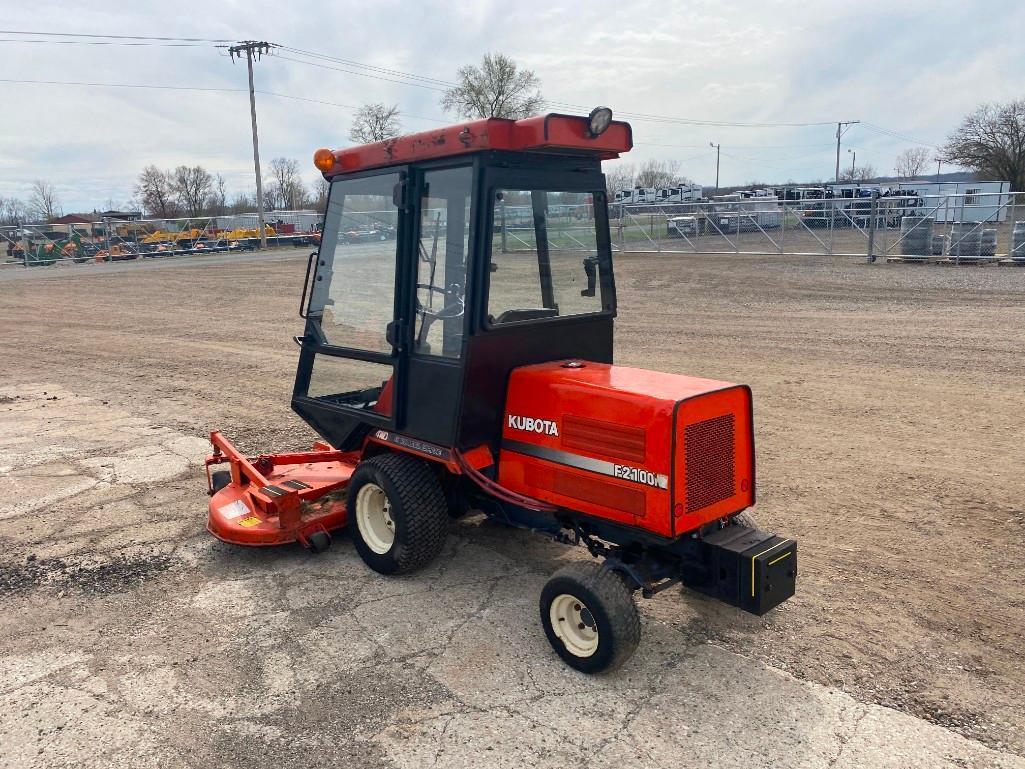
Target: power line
x=894, y=134
x=154, y=86
x=435, y=84
x=121, y=85
x=360, y=74
x=384, y=70
x=153, y=44
x=386, y=74
x=117, y=37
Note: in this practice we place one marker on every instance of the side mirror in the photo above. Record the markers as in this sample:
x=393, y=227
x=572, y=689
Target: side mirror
x=591, y=270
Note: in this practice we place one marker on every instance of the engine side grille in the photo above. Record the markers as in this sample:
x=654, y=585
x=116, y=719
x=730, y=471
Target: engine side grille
x=599, y=493
x=612, y=440
x=709, y=451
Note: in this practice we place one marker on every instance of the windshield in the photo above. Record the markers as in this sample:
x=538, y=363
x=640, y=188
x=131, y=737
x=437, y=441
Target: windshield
x=545, y=257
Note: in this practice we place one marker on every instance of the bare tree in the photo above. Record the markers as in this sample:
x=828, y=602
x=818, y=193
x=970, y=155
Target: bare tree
x=13, y=211
x=659, y=173
x=320, y=190
x=619, y=176
x=218, y=196
x=911, y=162
x=991, y=142
x=863, y=173
x=43, y=202
x=497, y=88
x=243, y=203
x=374, y=123
x=192, y=186
x=155, y=189
x=286, y=188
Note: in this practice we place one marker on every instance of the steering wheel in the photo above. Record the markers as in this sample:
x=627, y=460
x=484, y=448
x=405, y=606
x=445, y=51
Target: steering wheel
x=452, y=309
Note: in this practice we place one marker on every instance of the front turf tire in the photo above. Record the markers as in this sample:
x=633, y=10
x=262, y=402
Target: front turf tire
x=398, y=516
x=589, y=617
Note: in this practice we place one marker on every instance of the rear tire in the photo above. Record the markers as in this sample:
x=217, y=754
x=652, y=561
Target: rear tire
x=398, y=516
x=589, y=617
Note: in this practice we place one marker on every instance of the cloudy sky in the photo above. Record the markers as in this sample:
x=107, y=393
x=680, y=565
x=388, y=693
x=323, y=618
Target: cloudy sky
x=909, y=71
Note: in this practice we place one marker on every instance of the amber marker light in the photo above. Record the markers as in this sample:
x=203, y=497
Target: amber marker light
x=324, y=160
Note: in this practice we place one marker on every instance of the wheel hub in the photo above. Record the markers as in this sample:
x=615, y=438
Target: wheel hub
x=574, y=625
x=373, y=517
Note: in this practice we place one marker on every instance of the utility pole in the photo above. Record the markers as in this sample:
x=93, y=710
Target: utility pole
x=717, y=148
x=249, y=47
x=854, y=157
x=939, y=162
x=841, y=129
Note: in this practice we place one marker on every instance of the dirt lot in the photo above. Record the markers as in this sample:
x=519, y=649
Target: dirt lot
x=889, y=424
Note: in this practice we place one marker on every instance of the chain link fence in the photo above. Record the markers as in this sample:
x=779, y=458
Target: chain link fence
x=962, y=228
x=908, y=227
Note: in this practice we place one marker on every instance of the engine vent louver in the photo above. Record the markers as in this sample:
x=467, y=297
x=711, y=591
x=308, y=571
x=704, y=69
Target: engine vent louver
x=709, y=451
x=613, y=440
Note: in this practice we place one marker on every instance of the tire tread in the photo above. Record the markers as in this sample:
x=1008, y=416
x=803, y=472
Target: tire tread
x=617, y=601
x=423, y=504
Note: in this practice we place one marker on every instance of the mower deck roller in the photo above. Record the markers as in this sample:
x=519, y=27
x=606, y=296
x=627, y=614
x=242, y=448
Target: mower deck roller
x=462, y=359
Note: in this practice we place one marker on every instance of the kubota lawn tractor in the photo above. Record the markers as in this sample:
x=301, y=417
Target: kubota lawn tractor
x=466, y=364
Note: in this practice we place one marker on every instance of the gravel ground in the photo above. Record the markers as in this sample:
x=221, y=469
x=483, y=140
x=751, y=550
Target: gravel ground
x=889, y=421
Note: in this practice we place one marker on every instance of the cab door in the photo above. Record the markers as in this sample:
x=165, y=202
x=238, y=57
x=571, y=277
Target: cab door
x=351, y=371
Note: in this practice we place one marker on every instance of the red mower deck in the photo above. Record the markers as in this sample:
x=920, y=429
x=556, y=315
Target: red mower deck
x=275, y=499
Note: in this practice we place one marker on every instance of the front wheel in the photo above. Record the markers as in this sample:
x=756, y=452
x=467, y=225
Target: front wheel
x=589, y=617
x=398, y=516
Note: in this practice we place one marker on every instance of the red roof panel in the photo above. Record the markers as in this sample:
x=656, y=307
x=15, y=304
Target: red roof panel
x=560, y=134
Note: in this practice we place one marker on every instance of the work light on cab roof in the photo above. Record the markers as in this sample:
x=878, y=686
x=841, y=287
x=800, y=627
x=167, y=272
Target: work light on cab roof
x=458, y=355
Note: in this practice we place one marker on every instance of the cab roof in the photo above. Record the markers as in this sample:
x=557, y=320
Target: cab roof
x=554, y=133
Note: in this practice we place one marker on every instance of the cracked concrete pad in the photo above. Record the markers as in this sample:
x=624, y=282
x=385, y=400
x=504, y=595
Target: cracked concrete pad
x=338, y=644
x=24, y=492
x=208, y=655
x=148, y=464
x=498, y=740
x=234, y=598
x=47, y=725
x=19, y=670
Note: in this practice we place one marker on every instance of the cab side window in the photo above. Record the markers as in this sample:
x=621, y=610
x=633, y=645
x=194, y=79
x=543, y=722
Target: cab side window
x=544, y=256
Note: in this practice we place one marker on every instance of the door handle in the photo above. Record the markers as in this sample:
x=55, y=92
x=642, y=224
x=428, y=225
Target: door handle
x=306, y=283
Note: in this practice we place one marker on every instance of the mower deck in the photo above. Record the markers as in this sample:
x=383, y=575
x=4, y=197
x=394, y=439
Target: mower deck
x=275, y=499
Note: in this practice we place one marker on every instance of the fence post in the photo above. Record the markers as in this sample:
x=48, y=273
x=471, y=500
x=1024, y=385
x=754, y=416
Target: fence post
x=24, y=244
x=736, y=235
x=106, y=238
x=872, y=212
x=783, y=226
x=872, y=227
x=1010, y=229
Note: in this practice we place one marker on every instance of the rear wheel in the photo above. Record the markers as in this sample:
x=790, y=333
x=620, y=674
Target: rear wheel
x=589, y=617
x=398, y=516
